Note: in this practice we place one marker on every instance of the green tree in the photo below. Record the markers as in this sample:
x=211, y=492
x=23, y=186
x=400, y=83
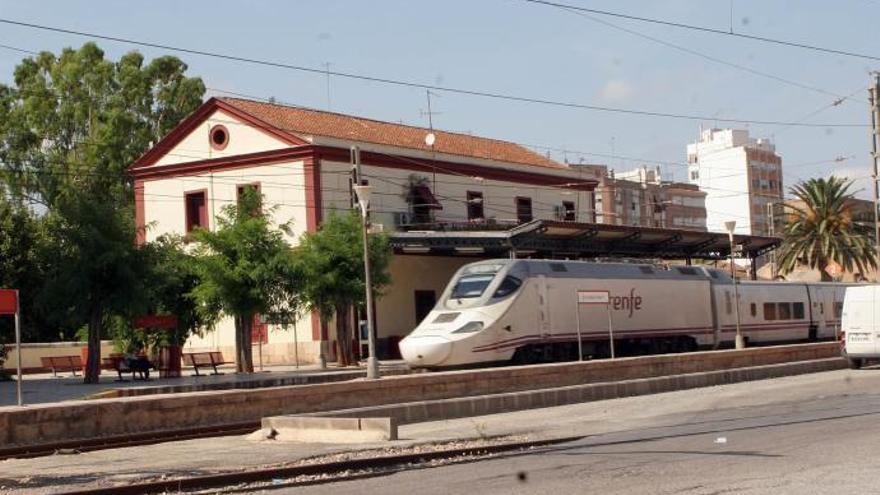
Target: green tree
x=332, y=265
x=172, y=280
x=69, y=127
x=23, y=267
x=245, y=269
x=821, y=230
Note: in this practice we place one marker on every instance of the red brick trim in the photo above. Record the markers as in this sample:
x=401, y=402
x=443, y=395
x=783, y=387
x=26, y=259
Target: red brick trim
x=312, y=175
x=213, y=142
x=222, y=163
x=204, y=221
x=139, y=213
x=367, y=158
x=189, y=124
x=467, y=169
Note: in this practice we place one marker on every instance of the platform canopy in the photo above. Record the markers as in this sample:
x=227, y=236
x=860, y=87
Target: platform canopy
x=555, y=239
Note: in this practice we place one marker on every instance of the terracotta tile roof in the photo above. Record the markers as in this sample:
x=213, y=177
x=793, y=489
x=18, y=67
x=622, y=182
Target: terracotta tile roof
x=302, y=121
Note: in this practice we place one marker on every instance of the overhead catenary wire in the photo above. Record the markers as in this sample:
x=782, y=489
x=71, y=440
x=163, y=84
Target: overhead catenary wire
x=413, y=84
x=706, y=29
x=711, y=58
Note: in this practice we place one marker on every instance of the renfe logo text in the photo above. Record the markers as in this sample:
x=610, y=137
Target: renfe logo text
x=630, y=303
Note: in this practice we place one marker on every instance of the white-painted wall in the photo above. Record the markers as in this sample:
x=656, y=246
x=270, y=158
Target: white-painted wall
x=389, y=195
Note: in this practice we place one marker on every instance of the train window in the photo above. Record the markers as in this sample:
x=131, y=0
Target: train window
x=727, y=302
x=769, y=311
x=686, y=270
x=821, y=308
x=754, y=309
x=508, y=286
x=470, y=286
x=838, y=309
x=798, y=310
x=715, y=274
x=784, y=312
x=647, y=269
x=558, y=267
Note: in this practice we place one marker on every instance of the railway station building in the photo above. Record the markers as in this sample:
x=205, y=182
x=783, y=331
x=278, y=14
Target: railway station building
x=447, y=200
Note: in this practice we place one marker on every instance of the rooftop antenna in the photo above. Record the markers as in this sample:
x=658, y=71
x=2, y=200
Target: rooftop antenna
x=430, y=114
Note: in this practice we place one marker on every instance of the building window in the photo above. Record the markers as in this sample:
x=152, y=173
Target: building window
x=240, y=190
x=475, y=205
x=524, y=209
x=569, y=214
x=219, y=137
x=196, y=210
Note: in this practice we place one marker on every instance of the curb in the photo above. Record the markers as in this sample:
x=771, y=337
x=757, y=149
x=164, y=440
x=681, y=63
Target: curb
x=462, y=407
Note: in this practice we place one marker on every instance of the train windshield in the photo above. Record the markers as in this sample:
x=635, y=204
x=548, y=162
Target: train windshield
x=469, y=286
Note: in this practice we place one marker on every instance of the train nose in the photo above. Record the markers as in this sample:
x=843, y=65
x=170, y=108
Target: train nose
x=425, y=350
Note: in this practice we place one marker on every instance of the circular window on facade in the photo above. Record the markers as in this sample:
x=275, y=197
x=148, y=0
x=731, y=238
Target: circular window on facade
x=219, y=137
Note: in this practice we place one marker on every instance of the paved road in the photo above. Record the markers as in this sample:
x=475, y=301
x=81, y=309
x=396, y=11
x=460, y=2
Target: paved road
x=820, y=437
x=813, y=433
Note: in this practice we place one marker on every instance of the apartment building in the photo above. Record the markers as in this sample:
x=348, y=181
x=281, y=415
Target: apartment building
x=740, y=175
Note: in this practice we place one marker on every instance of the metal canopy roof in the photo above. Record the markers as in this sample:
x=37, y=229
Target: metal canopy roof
x=546, y=238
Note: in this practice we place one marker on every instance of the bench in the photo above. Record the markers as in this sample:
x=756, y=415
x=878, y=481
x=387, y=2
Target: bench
x=61, y=363
x=120, y=364
x=204, y=359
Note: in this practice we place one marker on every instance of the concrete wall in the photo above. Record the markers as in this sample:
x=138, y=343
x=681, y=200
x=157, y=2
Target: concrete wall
x=48, y=423
x=395, y=311
x=31, y=353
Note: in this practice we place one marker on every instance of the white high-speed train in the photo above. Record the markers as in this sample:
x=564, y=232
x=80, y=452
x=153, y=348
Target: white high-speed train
x=527, y=311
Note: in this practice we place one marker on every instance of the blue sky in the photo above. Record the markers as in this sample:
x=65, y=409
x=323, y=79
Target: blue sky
x=509, y=46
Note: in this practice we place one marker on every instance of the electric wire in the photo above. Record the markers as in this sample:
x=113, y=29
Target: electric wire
x=705, y=29
x=413, y=84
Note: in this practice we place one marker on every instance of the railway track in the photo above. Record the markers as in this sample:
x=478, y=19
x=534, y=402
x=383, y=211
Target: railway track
x=319, y=472
x=115, y=442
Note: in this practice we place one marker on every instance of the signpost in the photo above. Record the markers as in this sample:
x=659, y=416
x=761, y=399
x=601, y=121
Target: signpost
x=594, y=297
x=9, y=306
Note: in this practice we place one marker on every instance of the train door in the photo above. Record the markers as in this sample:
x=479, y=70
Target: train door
x=716, y=324
x=544, y=326
x=818, y=297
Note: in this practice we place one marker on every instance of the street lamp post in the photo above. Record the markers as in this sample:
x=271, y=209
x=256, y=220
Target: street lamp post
x=363, y=195
x=740, y=341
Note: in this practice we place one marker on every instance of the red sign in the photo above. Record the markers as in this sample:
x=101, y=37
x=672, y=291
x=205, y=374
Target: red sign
x=8, y=301
x=155, y=321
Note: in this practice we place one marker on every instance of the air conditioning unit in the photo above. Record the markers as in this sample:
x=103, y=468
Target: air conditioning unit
x=402, y=218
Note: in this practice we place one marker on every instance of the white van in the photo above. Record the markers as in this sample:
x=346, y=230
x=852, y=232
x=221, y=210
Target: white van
x=861, y=324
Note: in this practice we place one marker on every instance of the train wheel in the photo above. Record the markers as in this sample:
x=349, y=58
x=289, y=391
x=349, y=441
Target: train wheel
x=855, y=363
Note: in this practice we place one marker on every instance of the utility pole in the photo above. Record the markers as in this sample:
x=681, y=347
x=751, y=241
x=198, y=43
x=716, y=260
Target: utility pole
x=771, y=231
x=430, y=141
x=873, y=94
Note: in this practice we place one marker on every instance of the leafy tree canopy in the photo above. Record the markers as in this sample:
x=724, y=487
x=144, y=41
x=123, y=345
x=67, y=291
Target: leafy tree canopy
x=332, y=267
x=72, y=123
x=246, y=268
x=821, y=229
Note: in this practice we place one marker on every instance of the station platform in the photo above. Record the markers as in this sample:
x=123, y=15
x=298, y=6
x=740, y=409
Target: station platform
x=44, y=388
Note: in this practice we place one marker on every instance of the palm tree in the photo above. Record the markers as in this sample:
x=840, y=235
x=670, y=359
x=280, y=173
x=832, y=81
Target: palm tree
x=820, y=229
